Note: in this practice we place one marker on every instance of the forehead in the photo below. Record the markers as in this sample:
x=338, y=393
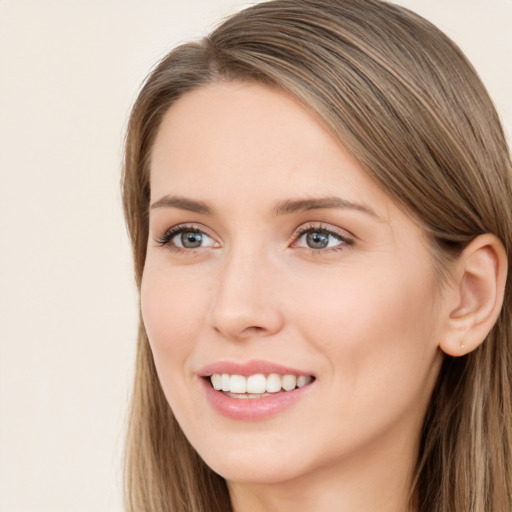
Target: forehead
x=244, y=141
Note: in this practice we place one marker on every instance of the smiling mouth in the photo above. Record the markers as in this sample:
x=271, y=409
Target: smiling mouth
x=258, y=385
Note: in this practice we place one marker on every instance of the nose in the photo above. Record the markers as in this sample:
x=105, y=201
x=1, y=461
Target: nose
x=246, y=299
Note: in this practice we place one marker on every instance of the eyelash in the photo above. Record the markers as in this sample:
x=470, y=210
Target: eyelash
x=344, y=239
x=166, y=239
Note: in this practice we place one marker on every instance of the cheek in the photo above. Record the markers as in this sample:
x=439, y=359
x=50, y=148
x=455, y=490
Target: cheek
x=377, y=338
x=172, y=308
x=173, y=311
x=372, y=326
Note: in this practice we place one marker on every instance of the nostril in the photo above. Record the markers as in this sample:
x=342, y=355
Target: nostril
x=255, y=328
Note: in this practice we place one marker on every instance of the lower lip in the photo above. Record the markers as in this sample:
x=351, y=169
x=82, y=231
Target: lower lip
x=252, y=409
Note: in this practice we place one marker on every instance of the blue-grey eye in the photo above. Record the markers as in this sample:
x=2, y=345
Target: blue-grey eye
x=192, y=239
x=316, y=240
x=319, y=239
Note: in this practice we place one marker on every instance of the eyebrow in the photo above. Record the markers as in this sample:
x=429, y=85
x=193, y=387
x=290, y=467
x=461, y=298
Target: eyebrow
x=301, y=205
x=285, y=207
x=183, y=204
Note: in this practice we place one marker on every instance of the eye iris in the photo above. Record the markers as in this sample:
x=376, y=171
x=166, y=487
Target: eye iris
x=317, y=240
x=191, y=239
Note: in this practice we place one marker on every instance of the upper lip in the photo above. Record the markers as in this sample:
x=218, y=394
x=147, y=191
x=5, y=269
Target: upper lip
x=249, y=368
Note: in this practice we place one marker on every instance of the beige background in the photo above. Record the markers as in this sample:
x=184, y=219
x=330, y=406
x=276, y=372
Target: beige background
x=69, y=71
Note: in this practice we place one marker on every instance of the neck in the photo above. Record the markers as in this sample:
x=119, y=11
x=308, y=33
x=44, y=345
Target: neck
x=378, y=479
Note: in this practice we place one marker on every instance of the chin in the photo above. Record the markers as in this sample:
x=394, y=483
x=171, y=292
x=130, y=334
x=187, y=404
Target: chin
x=260, y=472
x=255, y=466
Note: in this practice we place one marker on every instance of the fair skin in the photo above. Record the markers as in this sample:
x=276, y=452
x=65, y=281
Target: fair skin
x=342, y=289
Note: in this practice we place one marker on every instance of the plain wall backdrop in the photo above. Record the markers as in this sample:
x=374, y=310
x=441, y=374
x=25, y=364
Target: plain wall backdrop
x=69, y=72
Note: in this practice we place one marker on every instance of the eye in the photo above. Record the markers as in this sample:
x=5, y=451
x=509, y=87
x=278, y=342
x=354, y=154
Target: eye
x=320, y=238
x=192, y=239
x=186, y=237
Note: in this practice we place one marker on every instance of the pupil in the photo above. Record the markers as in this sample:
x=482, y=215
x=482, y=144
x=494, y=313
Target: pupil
x=317, y=240
x=191, y=240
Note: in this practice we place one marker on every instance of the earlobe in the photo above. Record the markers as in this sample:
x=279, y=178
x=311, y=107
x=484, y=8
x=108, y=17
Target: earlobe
x=479, y=284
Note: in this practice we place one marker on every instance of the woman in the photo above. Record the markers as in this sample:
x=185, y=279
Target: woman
x=318, y=196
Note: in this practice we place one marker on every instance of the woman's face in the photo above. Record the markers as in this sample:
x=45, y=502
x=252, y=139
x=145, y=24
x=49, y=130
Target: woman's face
x=271, y=253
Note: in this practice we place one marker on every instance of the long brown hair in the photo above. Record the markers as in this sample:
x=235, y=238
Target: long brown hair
x=406, y=102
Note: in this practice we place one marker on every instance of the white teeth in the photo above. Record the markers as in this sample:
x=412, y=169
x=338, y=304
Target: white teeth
x=237, y=384
x=256, y=385
x=303, y=380
x=216, y=379
x=224, y=383
x=273, y=383
x=289, y=382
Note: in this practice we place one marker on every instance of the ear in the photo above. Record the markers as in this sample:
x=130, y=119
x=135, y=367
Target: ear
x=476, y=295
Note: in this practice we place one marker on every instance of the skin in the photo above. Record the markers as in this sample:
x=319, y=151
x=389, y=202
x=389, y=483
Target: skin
x=364, y=316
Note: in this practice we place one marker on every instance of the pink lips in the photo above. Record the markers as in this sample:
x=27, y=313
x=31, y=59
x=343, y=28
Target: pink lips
x=249, y=368
x=250, y=409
